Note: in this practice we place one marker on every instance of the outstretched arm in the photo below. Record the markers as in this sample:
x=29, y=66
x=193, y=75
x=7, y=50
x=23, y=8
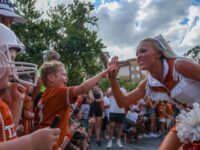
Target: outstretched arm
x=133, y=96
x=188, y=69
x=88, y=84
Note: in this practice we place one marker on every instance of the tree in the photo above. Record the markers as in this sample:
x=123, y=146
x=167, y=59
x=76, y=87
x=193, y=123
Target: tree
x=78, y=45
x=66, y=30
x=35, y=34
x=129, y=86
x=194, y=54
x=104, y=84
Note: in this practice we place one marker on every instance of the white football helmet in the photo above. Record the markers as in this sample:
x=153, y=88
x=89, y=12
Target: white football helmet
x=8, y=40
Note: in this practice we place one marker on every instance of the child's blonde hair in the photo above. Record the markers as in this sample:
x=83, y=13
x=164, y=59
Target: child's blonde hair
x=49, y=67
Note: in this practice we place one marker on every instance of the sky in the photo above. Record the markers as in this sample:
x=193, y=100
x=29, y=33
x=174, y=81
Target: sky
x=123, y=23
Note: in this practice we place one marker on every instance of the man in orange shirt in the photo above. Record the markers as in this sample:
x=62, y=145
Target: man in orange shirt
x=57, y=98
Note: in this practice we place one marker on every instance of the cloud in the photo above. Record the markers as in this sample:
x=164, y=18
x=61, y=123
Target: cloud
x=117, y=22
x=122, y=24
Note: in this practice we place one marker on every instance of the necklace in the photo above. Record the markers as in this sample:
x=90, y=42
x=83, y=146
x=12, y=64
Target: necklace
x=3, y=127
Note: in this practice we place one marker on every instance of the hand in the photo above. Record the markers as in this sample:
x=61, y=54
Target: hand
x=92, y=120
x=113, y=67
x=45, y=138
x=28, y=114
x=17, y=92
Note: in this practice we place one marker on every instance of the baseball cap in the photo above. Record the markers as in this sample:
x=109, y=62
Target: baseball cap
x=7, y=9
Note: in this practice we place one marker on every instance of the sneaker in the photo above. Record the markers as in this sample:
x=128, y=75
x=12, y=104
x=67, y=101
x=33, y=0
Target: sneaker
x=98, y=143
x=153, y=135
x=146, y=136
x=156, y=134
x=119, y=144
x=109, y=145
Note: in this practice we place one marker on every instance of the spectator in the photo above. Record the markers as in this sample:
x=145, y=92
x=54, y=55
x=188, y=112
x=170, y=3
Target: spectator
x=133, y=124
x=8, y=14
x=116, y=118
x=96, y=112
x=105, y=127
x=162, y=117
x=85, y=108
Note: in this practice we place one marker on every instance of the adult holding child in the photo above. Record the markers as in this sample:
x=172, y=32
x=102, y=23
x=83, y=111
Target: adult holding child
x=170, y=78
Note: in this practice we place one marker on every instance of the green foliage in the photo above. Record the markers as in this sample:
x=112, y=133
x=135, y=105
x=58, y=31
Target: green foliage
x=33, y=34
x=194, y=54
x=129, y=86
x=79, y=47
x=104, y=84
x=66, y=29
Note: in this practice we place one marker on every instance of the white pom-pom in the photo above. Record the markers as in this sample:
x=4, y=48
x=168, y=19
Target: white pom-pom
x=188, y=126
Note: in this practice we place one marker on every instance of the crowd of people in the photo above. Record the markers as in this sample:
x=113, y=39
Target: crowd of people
x=146, y=118
x=30, y=103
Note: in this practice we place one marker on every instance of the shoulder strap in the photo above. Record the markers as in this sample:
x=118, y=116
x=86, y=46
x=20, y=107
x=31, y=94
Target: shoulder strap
x=169, y=82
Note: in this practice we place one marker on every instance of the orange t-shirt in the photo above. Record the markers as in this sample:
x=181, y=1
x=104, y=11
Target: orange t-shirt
x=79, y=101
x=162, y=110
x=7, y=127
x=169, y=109
x=54, y=101
x=27, y=122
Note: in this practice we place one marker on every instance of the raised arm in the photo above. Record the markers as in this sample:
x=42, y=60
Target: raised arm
x=88, y=84
x=188, y=69
x=133, y=96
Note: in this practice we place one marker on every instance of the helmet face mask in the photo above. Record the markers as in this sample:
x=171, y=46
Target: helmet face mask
x=17, y=68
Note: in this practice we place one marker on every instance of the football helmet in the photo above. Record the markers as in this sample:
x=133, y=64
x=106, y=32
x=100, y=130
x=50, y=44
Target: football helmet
x=8, y=40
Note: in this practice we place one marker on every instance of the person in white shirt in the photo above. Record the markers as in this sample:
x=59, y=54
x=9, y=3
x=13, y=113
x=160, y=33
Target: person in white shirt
x=105, y=126
x=116, y=118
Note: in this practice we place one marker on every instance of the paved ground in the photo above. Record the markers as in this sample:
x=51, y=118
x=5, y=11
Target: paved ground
x=146, y=144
